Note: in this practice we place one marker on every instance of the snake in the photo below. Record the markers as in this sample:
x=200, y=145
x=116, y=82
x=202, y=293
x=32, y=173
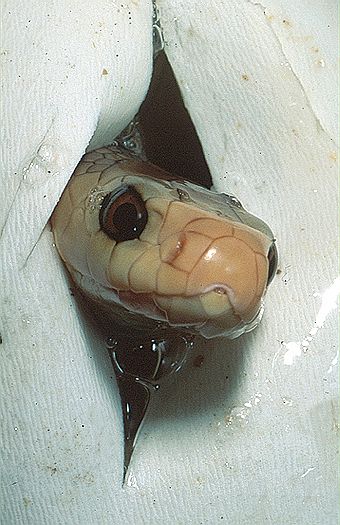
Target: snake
x=157, y=250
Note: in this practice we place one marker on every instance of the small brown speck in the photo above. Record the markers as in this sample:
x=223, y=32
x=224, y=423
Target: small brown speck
x=104, y=72
x=245, y=77
x=286, y=22
x=278, y=271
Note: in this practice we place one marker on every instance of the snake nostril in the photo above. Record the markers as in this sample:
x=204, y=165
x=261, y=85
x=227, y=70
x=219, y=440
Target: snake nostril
x=272, y=257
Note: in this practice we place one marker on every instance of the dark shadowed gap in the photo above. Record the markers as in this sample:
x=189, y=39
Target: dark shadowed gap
x=169, y=136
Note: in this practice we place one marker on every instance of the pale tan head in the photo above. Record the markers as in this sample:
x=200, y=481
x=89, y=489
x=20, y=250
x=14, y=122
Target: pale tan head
x=197, y=258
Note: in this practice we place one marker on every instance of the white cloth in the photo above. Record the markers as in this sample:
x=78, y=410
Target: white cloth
x=251, y=435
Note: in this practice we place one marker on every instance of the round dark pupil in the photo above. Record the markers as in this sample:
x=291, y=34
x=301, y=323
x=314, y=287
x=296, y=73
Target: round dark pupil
x=126, y=218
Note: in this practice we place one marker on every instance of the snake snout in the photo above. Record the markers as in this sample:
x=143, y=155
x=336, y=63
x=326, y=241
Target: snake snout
x=231, y=272
x=228, y=272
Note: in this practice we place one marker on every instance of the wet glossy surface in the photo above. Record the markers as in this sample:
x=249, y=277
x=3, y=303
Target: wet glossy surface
x=140, y=365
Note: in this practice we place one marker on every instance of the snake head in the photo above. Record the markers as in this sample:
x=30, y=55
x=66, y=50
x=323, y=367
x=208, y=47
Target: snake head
x=158, y=249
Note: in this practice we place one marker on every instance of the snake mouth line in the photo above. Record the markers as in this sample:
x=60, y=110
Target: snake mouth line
x=211, y=312
x=176, y=310
x=146, y=310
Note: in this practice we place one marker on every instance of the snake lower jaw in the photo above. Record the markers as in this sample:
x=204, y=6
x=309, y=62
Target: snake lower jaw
x=211, y=314
x=240, y=327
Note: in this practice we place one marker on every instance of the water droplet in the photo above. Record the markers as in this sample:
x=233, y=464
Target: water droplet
x=94, y=199
x=231, y=200
x=140, y=365
x=132, y=481
x=257, y=399
x=220, y=291
x=236, y=202
x=152, y=358
x=130, y=140
x=130, y=144
x=111, y=342
x=157, y=38
x=183, y=195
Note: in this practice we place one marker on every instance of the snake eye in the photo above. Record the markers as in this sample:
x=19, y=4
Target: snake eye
x=273, y=260
x=123, y=215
